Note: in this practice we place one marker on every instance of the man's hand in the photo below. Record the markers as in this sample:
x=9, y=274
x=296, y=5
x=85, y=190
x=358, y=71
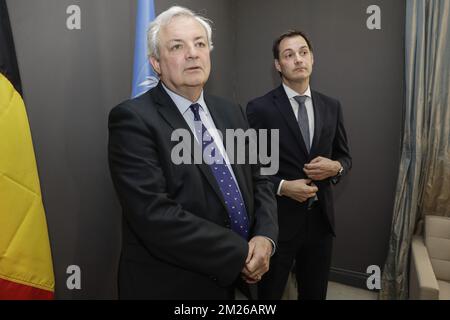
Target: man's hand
x=321, y=168
x=298, y=189
x=258, y=258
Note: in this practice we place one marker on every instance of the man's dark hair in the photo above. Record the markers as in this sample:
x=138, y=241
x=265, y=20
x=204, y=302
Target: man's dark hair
x=288, y=34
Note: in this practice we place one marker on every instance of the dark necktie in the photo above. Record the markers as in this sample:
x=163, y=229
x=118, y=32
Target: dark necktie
x=228, y=186
x=303, y=121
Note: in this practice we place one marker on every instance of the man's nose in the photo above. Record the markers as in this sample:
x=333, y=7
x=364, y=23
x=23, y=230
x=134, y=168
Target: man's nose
x=192, y=51
x=298, y=58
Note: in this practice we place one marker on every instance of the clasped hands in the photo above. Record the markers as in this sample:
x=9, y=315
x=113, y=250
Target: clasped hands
x=318, y=169
x=258, y=258
x=260, y=248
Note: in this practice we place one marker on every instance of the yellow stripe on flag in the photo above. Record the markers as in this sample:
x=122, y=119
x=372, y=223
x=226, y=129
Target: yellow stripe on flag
x=25, y=255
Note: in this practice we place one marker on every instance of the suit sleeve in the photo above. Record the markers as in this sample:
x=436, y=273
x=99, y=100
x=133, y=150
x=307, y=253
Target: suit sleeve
x=165, y=229
x=341, y=151
x=266, y=215
x=256, y=121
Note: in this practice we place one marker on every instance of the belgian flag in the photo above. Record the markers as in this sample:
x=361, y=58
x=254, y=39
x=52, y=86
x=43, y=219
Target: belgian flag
x=26, y=270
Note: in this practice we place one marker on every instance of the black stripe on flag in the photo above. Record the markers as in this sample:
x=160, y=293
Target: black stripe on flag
x=8, y=61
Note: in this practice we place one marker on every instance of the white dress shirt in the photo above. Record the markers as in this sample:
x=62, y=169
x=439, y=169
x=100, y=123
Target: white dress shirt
x=309, y=109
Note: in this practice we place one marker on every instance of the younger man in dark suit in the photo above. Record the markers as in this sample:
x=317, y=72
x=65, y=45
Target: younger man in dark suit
x=313, y=154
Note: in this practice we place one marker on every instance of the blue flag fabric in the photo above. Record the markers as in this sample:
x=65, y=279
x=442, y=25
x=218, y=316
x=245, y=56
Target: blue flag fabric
x=144, y=77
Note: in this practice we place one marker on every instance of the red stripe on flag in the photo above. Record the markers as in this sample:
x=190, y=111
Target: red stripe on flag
x=10, y=290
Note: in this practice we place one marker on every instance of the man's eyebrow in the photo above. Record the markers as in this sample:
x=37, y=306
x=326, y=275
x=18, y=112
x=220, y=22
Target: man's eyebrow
x=200, y=38
x=288, y=49
x=180, y=40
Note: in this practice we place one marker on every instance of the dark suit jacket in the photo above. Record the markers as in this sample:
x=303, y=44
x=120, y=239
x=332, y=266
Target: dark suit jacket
x=274, y=111
x=177, y=241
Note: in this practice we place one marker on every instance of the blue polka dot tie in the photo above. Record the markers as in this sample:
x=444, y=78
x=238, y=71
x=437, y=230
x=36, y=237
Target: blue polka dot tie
x=228, y=186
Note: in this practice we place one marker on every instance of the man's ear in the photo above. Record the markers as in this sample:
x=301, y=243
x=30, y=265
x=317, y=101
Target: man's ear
x=312, y=59
x=155, y=64
x=277, y=65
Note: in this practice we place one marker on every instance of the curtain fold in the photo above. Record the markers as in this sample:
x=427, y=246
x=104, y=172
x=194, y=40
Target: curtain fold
x=423, y=184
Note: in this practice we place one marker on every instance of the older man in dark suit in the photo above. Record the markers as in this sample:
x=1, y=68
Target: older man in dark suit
x=190, y=231
x=313, y=154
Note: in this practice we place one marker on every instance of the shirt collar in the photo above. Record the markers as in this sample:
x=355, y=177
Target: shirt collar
x=291, y=93
x=184, y=104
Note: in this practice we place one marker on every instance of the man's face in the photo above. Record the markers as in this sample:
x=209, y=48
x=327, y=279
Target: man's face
x=296, y=59
x=184, y=63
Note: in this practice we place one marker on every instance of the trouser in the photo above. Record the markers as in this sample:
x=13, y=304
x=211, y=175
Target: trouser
x=311, y=249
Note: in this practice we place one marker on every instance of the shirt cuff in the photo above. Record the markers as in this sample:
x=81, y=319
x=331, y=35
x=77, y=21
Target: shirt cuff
x=279, y=188
x=273, y=245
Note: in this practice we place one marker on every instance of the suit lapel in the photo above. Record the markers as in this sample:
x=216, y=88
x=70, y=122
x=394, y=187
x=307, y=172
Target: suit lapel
x=319, y=110
x=168, y=109
x=285, y=108
x=170, y=112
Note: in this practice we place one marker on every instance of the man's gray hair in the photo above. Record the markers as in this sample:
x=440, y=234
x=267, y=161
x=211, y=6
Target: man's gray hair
x=164, y=19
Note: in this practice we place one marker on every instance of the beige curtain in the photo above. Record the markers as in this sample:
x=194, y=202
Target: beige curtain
x=423, y=185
